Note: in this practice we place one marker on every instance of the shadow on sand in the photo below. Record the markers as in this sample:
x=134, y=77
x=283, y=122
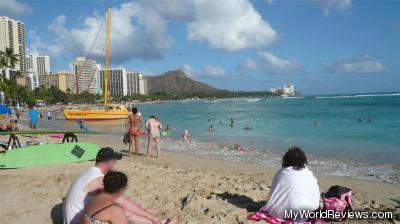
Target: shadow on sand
x=242, y=201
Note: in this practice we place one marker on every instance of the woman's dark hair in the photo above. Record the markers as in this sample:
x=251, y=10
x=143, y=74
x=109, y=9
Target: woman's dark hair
x=152, y=116
x=294, y=157
x=134, y=110
x=114, y=181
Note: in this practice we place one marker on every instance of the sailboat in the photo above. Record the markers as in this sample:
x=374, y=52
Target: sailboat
x=109, y=111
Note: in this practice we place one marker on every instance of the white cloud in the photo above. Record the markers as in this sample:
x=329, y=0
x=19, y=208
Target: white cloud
x=230, y=26
x=37, y=45
x=136, y=32
x=172, y=9
x=188, y=70
x=362, y=65
x=328, y=6
x=139, y=29
x=13, y=7
x=213, y=71
x=208, y=71
x=275, y=65
x=247, y=64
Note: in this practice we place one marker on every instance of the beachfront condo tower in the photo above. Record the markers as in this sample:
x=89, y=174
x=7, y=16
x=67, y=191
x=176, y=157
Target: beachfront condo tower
x=36, y=67
x=136, y=83
x=123, y=83
x=63, y=81
x=116, y=82
x=12, y=35
x=85, y=72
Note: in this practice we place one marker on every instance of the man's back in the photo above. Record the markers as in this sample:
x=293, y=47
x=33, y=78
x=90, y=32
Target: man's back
x=33, y=115
x=77, y=196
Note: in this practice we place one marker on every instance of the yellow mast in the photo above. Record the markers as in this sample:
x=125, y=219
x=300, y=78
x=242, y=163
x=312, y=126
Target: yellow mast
x=107, y=56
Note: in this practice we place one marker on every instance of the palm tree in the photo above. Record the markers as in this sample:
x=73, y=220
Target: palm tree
x=12, y=58
x=8, y=59
x=3, y=62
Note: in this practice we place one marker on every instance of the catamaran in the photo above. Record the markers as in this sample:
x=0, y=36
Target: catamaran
x=109, y=111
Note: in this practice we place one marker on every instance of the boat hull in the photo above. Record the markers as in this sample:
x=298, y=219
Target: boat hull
x=95, y=114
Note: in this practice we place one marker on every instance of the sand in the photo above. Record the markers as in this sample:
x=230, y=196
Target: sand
x=198, y=189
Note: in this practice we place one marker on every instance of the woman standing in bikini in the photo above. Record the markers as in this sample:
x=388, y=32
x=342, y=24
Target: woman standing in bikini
x=153, y=126
x=133, y=124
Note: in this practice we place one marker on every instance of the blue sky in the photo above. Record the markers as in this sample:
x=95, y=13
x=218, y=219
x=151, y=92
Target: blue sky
x=321, y=46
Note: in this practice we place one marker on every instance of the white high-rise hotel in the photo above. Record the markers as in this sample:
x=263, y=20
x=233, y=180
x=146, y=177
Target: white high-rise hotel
x=123, y=83
x=12, y=35
x=85, y=73
x=36, y=67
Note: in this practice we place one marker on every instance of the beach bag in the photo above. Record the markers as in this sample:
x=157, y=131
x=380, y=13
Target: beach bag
x=338, y=199
x=126, y=138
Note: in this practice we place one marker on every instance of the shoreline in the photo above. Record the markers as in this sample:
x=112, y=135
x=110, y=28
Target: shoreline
x=268, y=157
x=199, y=189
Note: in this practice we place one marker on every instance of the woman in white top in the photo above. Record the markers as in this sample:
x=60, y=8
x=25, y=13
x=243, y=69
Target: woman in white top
x=293, y=188
x=153, y=126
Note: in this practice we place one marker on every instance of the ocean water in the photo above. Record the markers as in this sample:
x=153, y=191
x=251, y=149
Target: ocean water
x=339, y=145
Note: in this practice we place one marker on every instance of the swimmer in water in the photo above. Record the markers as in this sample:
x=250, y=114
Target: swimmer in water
x=185, y=136
x=359, y=120
x=247, y=127
x=316, y=123
x=239, y=148
x=232, y=122
x=210, y=129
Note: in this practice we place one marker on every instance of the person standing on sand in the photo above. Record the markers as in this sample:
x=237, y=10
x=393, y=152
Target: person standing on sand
x=33, y=117
x=153, y=126
x=17, y=114
x=49, y=115
x=90, y=183
x=132, y=125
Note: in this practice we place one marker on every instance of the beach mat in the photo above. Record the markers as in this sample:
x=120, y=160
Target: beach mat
x=48, y=154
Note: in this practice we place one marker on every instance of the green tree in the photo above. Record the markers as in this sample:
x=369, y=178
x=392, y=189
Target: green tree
x=8, y=59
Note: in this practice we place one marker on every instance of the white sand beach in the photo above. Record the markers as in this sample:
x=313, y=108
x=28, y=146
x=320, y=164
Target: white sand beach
x=198, y=189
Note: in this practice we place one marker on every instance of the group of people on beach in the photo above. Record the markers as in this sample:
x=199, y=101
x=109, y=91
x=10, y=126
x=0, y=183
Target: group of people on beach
x=133, y=126
x=97, y=195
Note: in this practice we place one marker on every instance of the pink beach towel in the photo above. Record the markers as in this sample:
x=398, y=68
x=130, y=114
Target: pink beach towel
x=59, y=135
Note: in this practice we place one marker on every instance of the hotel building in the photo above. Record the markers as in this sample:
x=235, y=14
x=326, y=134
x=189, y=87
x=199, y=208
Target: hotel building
x=36, y=66
x=136, y=83
x=12, y=35
x=62, y=80
x=284, y=90
x=116, y=82
x=123, y=83
x=85, y=71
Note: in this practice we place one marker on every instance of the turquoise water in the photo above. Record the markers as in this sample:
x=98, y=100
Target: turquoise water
x=339, y=144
